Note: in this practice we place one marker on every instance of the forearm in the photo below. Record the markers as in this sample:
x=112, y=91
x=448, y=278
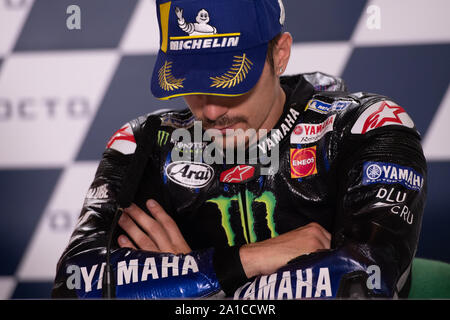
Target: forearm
x=265, y=257
x=260, y=258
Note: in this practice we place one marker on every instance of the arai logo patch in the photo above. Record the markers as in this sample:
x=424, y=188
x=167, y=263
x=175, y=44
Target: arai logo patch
x=190, y=174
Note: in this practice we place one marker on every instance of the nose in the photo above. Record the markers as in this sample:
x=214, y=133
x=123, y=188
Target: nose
x=213, y=110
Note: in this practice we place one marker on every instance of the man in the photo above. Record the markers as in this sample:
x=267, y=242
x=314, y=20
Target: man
x=327, y=204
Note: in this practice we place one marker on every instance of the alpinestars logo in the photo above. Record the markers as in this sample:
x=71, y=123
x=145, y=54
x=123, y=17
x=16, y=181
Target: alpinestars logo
x=381, y=114
x=123, y=140
x=238, y=174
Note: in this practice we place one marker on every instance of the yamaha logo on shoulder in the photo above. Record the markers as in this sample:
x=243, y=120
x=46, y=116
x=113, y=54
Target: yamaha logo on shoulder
x=190, y=174
x=389, y=173
x=373, y=171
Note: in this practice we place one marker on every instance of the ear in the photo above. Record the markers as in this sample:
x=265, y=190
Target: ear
x=282, y=53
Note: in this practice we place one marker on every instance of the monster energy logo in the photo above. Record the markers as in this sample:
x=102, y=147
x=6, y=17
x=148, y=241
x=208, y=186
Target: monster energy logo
x=163, y=136
x=224, y=205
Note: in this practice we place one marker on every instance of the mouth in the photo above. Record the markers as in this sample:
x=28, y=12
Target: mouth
x=223, y=130
x=225, y=124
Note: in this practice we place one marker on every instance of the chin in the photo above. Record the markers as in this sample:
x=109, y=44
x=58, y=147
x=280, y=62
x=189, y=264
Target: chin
x=232, y=142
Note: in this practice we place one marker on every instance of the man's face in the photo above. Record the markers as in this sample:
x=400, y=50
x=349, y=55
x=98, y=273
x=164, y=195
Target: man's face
x=257, y=109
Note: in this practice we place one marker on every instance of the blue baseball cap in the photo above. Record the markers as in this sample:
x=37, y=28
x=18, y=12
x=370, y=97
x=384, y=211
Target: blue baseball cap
x=214, y=47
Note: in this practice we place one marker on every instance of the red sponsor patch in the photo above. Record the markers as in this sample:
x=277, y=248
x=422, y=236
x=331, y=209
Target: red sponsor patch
x=237, y=174
x=385, y=113
x=303, y=162
x=123, y=140
x=381, y=114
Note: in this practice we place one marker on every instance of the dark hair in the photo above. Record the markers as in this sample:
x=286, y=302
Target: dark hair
x=270, y=49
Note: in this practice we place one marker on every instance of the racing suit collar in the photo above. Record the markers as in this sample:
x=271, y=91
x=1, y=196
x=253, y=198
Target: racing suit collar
x=298, y=92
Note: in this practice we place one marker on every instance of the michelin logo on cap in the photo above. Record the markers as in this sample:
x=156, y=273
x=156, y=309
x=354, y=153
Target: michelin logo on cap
x=213, y=47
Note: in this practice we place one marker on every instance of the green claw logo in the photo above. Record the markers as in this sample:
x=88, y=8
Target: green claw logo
x=224, y=205
x=163, y=137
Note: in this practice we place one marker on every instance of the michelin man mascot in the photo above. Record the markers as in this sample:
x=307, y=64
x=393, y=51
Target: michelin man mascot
x=201, y=27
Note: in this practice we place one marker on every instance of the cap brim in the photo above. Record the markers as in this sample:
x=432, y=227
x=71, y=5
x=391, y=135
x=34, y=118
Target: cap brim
x=221, y=74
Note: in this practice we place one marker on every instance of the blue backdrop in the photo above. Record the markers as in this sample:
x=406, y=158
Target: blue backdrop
x=64, y=92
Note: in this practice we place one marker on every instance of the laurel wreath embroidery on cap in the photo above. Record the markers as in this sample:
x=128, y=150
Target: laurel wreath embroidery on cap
x=166, y=80
x=237, y=73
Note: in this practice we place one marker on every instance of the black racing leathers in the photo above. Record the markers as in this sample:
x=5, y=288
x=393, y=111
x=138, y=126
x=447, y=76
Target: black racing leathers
x=352, y=163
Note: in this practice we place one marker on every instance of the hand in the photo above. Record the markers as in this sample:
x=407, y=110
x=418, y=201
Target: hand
x=160, y=234
x=179, y=13
x=267, y=256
